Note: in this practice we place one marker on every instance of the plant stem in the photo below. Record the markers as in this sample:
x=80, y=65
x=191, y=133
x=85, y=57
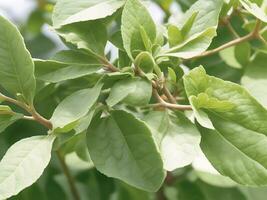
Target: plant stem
x=41, y=119
x=253, y=35
x=168, y=94
x=108, y=65
x=228, y=24
x=70, y=179
x=35, y=116
x=14, y=101
x=165, y=104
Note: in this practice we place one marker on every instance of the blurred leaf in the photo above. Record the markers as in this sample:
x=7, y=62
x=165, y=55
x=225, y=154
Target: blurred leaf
x=252, y=7
x=255, y=78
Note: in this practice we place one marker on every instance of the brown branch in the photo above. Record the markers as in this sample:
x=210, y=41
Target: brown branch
x=109, y=66
x=227, y=23
x=253, y=35
x=41, y=119
x=168, y=94
x=31, y=110
x=165, y=104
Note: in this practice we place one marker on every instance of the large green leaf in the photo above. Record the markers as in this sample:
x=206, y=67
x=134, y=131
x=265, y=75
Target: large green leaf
x=23, y=164
x=200, y=23
x=255, y=78
x=121, y=146
x=90, y=36
x=16, y=65
x=240, y=127
x=74, y=107
x=177, y=137
x=256, y=10
x=206, y=172
x=53, y=72
x=133, y=91
x=138, y=29
x=68, y=11
x=254, y=193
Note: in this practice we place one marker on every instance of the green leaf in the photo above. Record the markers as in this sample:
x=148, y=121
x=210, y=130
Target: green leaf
x=16, y=65
x=206, y=172
x=237, y=56
x=74, y=107
x=189, y=24
x=145, y=62
x=53, y=72
x=23, y=164
x=138, y=28
x=238, y=160
x=243, y=53
x=198, y=29
x=228, y=56
x=252, y=7
x=175, y=36
x=90, y=36
x=74, y=57
x=254, y=193
x=132, y=91
x=68, y=11
x=6, y=120
x=125, y=191
x=7, y=117
x=218, y=193
x=126, y=153
x=193, y=47
x=255, y=78
x=177, y=137
x=240, y=131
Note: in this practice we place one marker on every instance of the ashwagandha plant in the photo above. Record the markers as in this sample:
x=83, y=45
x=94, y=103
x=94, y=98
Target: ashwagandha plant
x=146, y=115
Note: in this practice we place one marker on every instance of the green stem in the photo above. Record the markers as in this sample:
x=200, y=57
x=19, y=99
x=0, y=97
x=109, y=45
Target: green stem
x=70, y=179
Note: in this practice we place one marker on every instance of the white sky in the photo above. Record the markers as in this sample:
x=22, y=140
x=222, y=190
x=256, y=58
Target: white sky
x=16, y=10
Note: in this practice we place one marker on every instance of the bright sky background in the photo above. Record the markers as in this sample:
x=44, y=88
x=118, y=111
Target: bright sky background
x=16, y=10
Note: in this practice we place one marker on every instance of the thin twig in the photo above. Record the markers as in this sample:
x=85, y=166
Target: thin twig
x=70, y=179
x=263, y=40
x=109, y=66
x=14, y=101
x=35, y=115
x=168, y=94
x=253, y=35
x=165, y=104
x=228, y=24
x=41, y=119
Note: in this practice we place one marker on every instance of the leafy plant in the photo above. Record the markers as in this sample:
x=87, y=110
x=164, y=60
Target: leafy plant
x=178, y=113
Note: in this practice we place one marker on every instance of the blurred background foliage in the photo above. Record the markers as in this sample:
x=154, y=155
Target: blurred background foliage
x=197, y=182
